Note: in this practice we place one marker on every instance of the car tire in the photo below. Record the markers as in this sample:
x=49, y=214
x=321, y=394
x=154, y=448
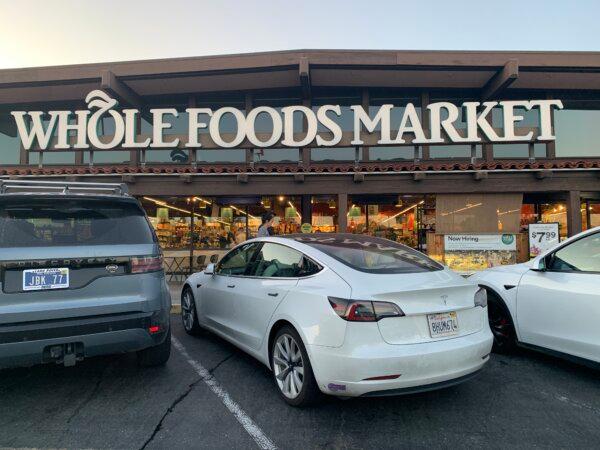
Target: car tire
x=501, y=324
x=157, y=355
x=189, y=316
x=299, y=370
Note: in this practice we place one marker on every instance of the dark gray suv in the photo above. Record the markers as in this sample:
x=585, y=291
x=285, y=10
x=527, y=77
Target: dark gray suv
x=80, y=275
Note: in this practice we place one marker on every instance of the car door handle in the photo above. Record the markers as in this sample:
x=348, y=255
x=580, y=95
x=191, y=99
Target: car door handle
x=231, y=285
x=273, y=294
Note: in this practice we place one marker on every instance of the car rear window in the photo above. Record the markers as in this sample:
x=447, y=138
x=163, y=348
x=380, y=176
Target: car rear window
x=371, y=254
x=49, y=222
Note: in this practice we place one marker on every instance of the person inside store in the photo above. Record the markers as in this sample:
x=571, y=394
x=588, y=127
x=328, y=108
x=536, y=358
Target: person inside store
x=266, y=229
x=240, y=235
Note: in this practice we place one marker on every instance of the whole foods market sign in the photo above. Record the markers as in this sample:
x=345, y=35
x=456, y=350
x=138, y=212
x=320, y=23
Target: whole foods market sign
x=80, y=129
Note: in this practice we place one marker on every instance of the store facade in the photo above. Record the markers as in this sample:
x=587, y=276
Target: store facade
x=452, y=153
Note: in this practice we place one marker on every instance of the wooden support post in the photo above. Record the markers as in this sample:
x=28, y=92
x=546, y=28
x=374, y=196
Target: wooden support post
x=426, y=123
x=365, y=105
x=342, y=212
x=305, y=151
x=306, y=207
x=193, y=157
x=249, y=151
x=574, y=213
x=551, y=145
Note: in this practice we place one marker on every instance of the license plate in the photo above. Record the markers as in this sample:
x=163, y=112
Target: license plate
x=41, y=279
x=442, y=324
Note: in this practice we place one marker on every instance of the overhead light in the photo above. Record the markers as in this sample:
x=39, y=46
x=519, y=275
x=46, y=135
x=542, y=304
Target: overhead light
x=281, y=198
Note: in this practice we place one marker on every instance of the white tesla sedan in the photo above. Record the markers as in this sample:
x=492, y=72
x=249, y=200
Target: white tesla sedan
x=342, y=314
x=551, y=303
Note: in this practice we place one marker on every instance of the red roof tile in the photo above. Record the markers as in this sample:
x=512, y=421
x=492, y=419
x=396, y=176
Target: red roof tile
x=330, y=167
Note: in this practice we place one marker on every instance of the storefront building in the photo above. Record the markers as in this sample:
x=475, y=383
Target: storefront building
x=452, y=153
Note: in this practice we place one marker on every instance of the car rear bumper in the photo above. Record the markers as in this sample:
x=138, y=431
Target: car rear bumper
x=30, y=343
x=344, y=371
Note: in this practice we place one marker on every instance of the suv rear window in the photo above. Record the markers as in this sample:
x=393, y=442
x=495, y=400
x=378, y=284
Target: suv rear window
x=49, y=222
x=371, y=254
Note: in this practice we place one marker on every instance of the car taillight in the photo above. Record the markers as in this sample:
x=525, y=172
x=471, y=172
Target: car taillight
x=141, y=264
x=364, y=310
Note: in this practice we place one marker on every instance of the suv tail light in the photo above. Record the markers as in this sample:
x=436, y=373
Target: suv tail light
x=364, y=310
x=142, y=264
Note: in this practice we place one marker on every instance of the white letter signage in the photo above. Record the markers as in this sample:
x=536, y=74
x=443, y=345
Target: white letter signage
x=50, y=130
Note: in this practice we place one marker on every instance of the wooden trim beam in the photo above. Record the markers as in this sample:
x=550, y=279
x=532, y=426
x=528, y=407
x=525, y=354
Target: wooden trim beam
x=506, y=76
x=304, y=72
x=574, y=224
x=123, y=93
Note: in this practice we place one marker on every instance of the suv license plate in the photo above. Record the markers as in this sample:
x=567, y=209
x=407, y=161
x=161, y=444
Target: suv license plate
x=41, y=279
x=443, y=324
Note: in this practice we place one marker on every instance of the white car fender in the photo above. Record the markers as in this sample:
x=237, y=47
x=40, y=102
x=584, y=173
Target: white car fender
x=307, y=309
x=504, y=282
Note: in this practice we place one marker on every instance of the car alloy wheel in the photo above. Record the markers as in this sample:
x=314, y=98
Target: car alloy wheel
x=188, y=312
x=288, y=366
x=500, y=325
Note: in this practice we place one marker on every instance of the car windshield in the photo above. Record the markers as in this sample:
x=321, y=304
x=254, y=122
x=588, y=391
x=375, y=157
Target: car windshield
x=370, y=254
x=48, y=222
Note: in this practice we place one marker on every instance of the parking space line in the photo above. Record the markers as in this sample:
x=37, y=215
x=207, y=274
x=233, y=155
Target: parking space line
x=253, y=430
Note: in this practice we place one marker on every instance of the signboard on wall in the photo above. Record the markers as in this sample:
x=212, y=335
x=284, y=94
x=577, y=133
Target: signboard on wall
x=469, y=252
x=469, y=242
x=542, y=237
x=64, y=130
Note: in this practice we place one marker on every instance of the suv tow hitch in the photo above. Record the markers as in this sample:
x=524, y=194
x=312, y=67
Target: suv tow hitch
x=67, y=354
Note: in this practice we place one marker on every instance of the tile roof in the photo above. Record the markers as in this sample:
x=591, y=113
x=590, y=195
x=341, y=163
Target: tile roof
x=329, y=167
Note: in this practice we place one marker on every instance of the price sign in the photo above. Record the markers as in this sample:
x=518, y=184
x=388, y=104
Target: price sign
x=542, y=237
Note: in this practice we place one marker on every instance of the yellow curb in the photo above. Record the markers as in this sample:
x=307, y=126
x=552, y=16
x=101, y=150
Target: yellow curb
x=175, y=309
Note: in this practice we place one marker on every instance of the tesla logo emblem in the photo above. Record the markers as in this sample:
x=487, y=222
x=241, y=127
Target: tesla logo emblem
x=112, y=268
x=444, y=299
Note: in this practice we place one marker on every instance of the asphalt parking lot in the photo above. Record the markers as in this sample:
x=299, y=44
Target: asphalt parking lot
x=211, y=395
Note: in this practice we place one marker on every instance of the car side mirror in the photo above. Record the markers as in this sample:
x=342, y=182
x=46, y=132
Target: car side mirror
x=539, y=265
x=210, y=269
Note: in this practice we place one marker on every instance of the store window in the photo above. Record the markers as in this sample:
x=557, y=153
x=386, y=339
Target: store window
x=555, y=212
x=590, y=214
x=264, y=124
x=10, y=143
x=453, y=151
x=577, y=133
x=393, y=153
x=179, y=129
x=50, y=157
x=477, y=231
x=324, y=214
x=519, y=150
x=345, y=121
x=106, y=127
x=398, y=218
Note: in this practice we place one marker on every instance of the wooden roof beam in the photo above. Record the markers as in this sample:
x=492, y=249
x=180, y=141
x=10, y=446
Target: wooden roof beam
x=122, y=93
x=501, y=80
x=304, y=70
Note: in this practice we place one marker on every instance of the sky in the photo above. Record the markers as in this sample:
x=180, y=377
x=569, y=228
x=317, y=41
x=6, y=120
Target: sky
x=57, y=32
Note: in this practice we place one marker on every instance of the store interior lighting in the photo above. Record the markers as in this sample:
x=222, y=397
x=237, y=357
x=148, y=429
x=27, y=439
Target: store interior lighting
x=175, y=208
x=403, y=211
x=295, y=210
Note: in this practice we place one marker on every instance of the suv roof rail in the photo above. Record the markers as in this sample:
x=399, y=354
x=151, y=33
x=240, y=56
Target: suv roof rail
x=62, y=187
